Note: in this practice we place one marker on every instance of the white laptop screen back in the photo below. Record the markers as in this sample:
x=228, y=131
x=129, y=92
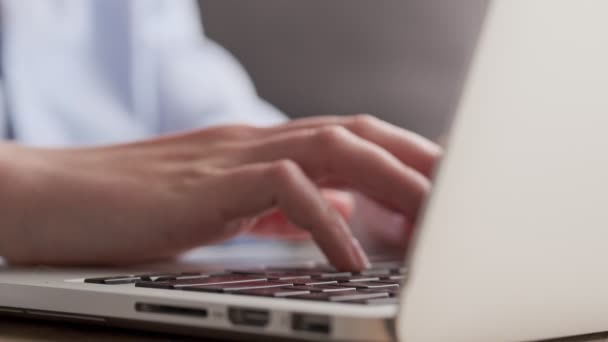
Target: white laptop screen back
x=514, y=242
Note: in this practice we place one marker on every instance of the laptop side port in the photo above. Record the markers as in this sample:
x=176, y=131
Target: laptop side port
x=250, y=317
x=320, y=324
x=171, y=310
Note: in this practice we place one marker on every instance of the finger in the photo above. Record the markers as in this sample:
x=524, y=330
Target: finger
x=388, y=228
x=342, y=201
x=409, y=147
x=336, y=157
x=276, y=224
x=247, y=191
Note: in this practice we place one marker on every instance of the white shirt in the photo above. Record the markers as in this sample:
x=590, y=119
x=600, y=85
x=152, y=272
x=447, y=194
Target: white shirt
x=106, y=71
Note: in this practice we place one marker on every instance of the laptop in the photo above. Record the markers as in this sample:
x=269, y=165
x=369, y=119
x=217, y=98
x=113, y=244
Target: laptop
x=512, y=245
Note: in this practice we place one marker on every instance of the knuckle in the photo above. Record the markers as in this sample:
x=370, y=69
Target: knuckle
x=284, y=169
x=362, y=122
x=332, y=136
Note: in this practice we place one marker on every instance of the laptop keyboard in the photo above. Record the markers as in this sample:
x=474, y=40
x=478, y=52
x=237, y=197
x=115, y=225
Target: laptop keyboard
x=375, y=286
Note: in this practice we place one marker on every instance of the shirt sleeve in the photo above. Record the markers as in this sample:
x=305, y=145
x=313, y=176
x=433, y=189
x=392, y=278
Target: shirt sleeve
x=200, y=83
x=4, y=133
x=203, y=85
x=93, y=72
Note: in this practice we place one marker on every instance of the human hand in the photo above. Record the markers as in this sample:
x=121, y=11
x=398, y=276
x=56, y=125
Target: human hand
x=157, y=198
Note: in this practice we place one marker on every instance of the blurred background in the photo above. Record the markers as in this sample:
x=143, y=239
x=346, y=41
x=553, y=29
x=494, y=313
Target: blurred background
x=402, y=60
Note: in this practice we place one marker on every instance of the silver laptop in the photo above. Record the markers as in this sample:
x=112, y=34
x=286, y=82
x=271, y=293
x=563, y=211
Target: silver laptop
x=513, y=244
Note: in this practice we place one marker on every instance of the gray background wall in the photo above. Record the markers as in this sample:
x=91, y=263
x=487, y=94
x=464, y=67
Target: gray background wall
x=402, y=60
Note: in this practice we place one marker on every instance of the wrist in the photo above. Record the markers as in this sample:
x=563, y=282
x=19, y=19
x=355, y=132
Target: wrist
x=16, y=185
x=9, y=163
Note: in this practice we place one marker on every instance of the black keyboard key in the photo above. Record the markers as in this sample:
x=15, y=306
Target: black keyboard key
x=352, y=279
x=356, y=296
x=374, y=272
x=154, y=284
x=287, y=276
x=172, y=276
x=390, y=282
x=313, y=282
x=370, y=285
x=358, y=279
x=215, y=280
x=324, y=288
x=332, y=275
x=392, y=291
x=115, y=280
x=277, y=274
x=234, y=287
x=274, y=292
x=394, y=282
x=157, y=277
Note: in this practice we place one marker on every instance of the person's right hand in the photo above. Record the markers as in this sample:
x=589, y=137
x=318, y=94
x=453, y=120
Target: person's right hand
x=157, y=198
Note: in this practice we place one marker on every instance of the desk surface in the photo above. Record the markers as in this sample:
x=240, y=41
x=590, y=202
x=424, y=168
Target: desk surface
x=18, y=330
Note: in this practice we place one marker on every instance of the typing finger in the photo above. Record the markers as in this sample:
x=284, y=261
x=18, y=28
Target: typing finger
x=276, y=224
x=252, y=189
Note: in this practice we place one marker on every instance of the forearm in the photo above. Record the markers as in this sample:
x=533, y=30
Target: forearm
x=9, y=180
x=17, y=182
x=9, y=188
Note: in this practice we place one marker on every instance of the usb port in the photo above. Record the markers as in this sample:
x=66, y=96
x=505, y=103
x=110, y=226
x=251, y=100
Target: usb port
x=250, y=317
x=319, y=324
